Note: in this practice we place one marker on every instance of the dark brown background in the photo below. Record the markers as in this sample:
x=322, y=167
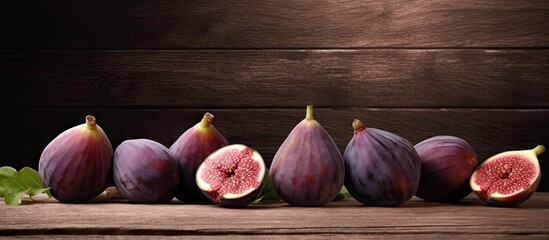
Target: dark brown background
x=474, y=69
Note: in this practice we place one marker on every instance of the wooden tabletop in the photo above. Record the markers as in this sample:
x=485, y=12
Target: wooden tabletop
x=343, y=219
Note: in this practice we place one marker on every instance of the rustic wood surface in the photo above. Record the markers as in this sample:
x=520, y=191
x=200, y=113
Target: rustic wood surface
x=164, y=24
x=278, y=78
x=345, y=219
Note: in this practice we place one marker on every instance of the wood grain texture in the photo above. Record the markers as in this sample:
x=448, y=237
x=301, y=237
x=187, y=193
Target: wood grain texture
x=347, y=218
x=281, y=78
x=300, y=236
x=488, y=131
x=164, y=24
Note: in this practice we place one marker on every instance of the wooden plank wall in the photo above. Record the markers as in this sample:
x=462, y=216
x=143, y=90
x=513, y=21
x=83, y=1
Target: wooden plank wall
x=477, y=69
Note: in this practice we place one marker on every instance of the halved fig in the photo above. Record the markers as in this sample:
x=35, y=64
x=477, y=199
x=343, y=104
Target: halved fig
x=190, y=150
x=508, y=178
x=233, y=176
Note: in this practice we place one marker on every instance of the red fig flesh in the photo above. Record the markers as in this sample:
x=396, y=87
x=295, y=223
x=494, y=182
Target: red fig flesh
x=447, y=163
x=307, y=169
x=77, y=163
x=233, y=176
x=190, y=150
x=508, y=178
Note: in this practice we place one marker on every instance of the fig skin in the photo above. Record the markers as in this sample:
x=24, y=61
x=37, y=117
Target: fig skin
x=447, y=163
x=144, y=171
x=219, y=159
x=190, y=150
x=500, y=173
x=381, y=168
x=307, y=169
x=76, y=164
x=242, y=201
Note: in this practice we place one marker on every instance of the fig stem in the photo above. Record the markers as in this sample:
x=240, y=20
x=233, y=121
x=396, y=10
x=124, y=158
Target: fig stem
x=309, y=115
x=357, y=125
x=207, y=120
x=90, y=122
x=538, y=149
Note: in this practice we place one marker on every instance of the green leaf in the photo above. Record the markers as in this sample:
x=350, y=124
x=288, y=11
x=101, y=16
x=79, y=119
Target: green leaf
x=30, y=178
x=14, y=198
x=7, y=182
x=342, y=194
x=7, y=172
x=268, y=193
x=36, y=191
x=14, y=184
x=4, y=191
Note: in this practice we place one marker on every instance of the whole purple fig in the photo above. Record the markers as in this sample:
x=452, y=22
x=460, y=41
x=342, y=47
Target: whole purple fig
x=190, y=150
x=447, y=162
x=307, y=169
x=144, y=171
x=76, y=164
x=381, y=168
